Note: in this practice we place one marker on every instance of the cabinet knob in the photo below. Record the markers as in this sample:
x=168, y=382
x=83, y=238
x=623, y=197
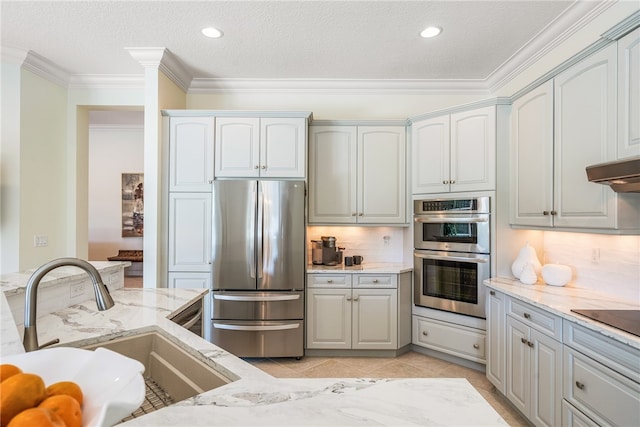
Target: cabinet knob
x=523, y=340
x=580, y=385
x=210, y=181
x=530, y=344
x=264, y=166
x=425, y=333
x=476, y=346
x=554, y=213
x=492, y=292
x=527, y=316
x=329, y=281
x=453, y=181
x=256, y=167
x=361, y=214
x=545, y=212
x=355, y=298
x=375, y=280
x=445, y=182
x=348, y=298
x=353, y=214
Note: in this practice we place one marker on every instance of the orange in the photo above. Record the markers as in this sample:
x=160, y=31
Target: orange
x=7, y=370
x=36, y=417
x=19, y=392
x=66, y=407
x=66, y=387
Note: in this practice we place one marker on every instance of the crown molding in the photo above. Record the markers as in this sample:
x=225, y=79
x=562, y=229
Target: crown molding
x=568, y=23
x=13, y=55
x=624, y=27
x=106, y=81
x=341, y=86
x=46, y=69
x=162, y=59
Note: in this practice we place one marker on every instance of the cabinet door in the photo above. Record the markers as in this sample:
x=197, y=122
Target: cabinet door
x=496, y=350
x=283, y=147
x=375, y=319
x=430, y=155
x=629, y=95
x=237, y=147
x=332, y=174
x=181, y=280
x=329, y=318
x=381, y=175
x=546, y=384
x=189, y=232
x=532, y=158
x=585, y=134
x=518, y=389
x=191, y=153
x=473, y=150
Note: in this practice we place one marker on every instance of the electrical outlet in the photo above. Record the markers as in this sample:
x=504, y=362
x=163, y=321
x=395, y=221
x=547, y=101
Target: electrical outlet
x=40, y=241
x=76, y=290
x=595, y=256
x=386, y=240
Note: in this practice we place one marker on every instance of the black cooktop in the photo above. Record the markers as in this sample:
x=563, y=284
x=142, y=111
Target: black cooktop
x=626, y=320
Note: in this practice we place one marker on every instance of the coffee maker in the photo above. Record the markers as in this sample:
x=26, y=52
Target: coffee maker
x=326, y=252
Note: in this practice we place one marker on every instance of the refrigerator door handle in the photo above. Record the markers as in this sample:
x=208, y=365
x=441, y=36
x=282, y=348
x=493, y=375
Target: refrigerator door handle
x=282, y=327
x=256, y=298
x=251, y=248
x=259, y=232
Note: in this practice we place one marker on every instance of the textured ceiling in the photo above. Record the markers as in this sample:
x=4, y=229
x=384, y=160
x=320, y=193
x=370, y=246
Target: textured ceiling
x=281, y=39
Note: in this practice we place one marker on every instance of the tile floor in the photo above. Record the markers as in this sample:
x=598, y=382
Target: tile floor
x=408, y=365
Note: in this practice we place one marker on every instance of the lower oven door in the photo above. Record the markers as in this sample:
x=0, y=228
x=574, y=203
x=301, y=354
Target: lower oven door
x=271, y=338
x=451, y=281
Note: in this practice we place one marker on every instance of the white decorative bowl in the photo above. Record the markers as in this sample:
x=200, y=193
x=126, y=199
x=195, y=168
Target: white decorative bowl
x=112, y=384
x=556, y=274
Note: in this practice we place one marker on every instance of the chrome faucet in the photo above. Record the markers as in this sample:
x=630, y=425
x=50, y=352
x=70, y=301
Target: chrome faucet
x=103, y=297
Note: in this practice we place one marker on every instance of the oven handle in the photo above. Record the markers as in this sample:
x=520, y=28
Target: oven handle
x=465, y=219
x=256, y=298
x=450, y=258
x=256, y=327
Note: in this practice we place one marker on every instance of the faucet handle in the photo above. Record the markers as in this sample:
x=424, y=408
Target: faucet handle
x=47, y=344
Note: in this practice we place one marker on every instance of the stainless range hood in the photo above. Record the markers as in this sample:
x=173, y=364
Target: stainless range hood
x=623, y=176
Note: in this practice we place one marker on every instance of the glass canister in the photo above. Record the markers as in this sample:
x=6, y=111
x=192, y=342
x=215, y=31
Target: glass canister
x=316, y=252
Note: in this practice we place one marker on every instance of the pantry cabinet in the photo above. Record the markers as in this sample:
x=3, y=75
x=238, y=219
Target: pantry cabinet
x=496, y=339
x=357, y=174
x=191, y=154
x=629, y=95
x=189, y=232
x=358, y=311
x=252, y=147
x=558, y=129
x=454, y=152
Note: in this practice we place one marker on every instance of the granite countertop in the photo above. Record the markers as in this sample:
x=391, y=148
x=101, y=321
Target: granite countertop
x=254, y=397
x=560, y=300
x=365, y=267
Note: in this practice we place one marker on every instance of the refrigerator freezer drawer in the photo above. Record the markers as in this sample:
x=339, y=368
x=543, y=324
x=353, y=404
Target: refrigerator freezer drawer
x=260, y=338
x=258, y=305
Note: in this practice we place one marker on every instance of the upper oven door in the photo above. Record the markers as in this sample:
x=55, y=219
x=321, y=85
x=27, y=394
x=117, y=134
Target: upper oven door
x=452, y=232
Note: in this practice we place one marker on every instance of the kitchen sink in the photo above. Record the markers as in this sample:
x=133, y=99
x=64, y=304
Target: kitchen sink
x=171, y=374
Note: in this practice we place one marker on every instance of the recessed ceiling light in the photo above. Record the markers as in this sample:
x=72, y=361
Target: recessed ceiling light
x=430, y=32
x=211, y=32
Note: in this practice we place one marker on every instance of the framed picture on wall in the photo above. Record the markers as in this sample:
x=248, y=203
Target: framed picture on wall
x=132, y=205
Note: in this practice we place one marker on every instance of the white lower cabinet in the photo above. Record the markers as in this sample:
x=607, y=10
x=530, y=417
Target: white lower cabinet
x=495, y=343
x=357, y=311
x=457, y=340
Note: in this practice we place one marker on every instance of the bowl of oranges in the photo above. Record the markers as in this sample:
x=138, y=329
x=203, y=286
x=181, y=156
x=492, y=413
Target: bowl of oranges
x=69, y=387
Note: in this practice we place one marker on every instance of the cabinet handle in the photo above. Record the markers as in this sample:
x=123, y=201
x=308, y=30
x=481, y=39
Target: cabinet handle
x=545, y=212
x=553, y=212
x=329, y=281
x=425, y=333
x=580, y=385
x=523, y=341
x=476, y=346
x=492, y=292
x=527, y=316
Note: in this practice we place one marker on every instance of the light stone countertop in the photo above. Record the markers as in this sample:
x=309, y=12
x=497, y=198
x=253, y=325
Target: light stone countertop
x=365, y=268
x=560, y=300
x=256, y=398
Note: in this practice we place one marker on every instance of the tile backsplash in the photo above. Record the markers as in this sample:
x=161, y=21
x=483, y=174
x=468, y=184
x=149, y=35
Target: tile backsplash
x=602, y=263
x=375, y=244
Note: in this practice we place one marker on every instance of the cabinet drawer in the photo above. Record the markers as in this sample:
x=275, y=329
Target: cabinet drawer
x=329, y=280
x=540, y=320
x=601, y=393
x=375, y=281
x=613, y=354
x=571, y=417
x=457, y=340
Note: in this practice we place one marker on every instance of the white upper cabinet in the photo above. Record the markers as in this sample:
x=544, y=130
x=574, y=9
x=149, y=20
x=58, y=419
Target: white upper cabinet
x=455, y=152
x=532, y=157
x=357, y=174
x=191, y=154
x=629, y=95
x=585, y=134
x=260, y=147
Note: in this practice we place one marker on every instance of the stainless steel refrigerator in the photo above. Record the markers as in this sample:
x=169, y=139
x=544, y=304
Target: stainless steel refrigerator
x=259, y=259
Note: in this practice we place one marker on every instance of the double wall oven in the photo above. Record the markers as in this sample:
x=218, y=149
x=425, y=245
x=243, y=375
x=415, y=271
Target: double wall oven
x=452, y=240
